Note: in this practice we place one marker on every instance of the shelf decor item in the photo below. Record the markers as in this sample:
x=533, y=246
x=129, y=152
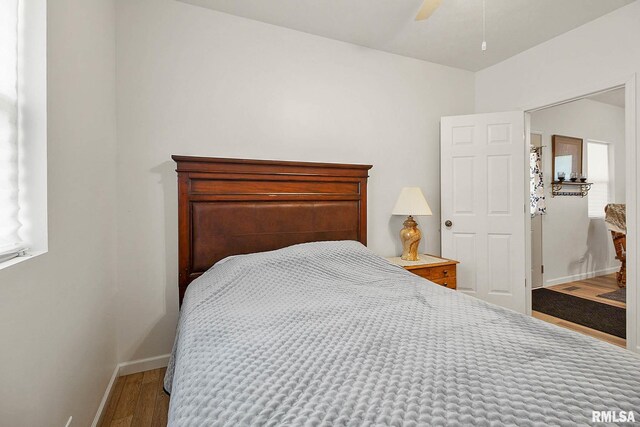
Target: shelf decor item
x=561, y=176
x=411, y=202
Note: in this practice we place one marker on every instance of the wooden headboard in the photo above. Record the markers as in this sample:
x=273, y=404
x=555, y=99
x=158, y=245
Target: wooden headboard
x=236, y=206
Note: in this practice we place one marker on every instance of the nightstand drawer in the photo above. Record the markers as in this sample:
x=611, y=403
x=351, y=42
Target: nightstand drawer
x=449, y=282
x=422, y=272
x=441, y=272
x=433, y=273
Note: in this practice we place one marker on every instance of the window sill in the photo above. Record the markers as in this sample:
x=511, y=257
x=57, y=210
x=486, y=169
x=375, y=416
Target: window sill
x=20, y=259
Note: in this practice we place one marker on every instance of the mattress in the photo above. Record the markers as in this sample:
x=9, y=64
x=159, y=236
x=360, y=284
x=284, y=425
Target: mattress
x=329, y=333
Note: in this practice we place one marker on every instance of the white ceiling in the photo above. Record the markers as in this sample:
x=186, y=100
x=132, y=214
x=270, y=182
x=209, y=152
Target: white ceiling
x=451, y=36
x=613, y=97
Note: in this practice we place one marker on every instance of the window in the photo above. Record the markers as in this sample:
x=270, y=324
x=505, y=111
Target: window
x=23, y=130
x=599, y=173
x=10, y=244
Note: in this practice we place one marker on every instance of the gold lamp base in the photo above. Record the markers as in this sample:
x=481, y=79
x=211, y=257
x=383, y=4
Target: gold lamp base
x=410, y=236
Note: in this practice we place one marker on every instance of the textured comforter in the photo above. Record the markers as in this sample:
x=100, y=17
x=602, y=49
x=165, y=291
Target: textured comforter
x=330, y=334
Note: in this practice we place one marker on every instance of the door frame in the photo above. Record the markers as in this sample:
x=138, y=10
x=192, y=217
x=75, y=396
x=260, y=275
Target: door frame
x=632, y=186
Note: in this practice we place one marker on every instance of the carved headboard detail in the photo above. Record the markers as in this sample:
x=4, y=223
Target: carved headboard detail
x=237, y=206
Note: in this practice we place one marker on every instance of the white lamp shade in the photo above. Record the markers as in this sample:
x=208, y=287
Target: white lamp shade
x=411, y=201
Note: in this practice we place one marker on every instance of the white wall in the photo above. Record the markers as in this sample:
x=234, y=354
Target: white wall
x=574, y=245
x=599, y=54
x=197, y=82
x=56, y=311
x=595, y=54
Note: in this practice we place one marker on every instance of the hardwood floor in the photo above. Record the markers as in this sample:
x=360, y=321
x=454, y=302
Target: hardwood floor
x=591, y=288
x=138, y=400
x=588, y=289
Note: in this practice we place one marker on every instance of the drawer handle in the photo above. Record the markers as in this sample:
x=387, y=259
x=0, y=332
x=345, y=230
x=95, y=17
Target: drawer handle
x=445, y=284
x=445, y=272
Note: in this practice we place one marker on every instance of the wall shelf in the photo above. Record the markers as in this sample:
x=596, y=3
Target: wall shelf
x=570, y=188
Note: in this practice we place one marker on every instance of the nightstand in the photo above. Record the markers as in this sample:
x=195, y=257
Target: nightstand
x=439, y=270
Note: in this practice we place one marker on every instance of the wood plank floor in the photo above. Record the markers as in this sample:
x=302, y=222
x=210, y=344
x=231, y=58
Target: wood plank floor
x=588, y=289
x=138, y=400
x=591, y=288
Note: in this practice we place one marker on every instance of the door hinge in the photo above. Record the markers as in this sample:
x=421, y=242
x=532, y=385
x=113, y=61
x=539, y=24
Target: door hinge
x=542, y=269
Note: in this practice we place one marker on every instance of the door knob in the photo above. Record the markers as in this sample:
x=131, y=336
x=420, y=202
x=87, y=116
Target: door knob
x=448, y=223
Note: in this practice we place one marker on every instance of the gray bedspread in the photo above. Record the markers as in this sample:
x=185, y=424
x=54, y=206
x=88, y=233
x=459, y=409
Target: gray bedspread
x=329, y=333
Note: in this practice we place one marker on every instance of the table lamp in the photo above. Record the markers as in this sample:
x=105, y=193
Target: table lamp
x=411, y=202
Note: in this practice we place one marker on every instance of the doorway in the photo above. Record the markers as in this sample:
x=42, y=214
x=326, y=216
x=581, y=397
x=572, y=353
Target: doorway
x=574, y=262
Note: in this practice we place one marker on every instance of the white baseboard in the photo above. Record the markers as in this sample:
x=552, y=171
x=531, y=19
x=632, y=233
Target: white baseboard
x=135, y=366
x=105, y=398
x=128, y=368
x=580, y=276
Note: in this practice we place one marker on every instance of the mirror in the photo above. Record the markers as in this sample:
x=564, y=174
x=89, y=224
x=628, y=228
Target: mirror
x=567, y=156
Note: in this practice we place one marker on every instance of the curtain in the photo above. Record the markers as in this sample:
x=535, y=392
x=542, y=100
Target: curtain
x=9, y=224
x=538, y=204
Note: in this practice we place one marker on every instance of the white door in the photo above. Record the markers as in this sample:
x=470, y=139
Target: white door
x=483, y=207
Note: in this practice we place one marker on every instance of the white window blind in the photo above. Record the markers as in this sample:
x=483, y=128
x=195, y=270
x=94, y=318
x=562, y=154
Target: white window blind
x=10, y=244
x=599, y=175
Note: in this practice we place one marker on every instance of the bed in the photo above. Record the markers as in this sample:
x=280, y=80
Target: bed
x=322, y=331
x=241, y=206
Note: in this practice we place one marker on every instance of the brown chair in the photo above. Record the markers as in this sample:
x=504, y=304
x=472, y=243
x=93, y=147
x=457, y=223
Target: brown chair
x=620, y=245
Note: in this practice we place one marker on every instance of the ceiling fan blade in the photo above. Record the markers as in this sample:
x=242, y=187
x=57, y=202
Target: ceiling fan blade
x=427, y=8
